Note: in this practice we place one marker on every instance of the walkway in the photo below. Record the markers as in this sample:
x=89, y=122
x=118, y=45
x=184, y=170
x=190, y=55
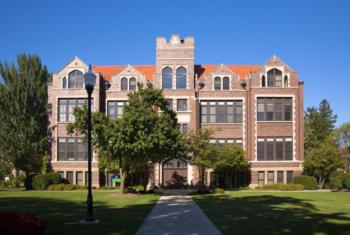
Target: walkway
x=177, y=213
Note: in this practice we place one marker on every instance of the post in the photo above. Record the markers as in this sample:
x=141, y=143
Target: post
x=89, y=215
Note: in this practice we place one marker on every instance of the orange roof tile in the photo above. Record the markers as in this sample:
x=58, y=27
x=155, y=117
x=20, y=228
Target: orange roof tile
x=241, y=70
x=109, y=70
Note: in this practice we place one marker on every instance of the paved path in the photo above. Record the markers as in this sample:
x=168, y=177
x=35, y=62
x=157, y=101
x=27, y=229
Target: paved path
x=177, y=213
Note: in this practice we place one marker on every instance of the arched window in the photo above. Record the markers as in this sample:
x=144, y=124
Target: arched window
x=64, y=82
x=226, y=83
x=286, y=81
x=124, y=84
x=75, y=79
x=217, y=83
x=274, y=78
x=181, y=78
x=263, y=81
x=132, y=84
x=167, y=78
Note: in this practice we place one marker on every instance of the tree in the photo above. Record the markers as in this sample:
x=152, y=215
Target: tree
x=230, y=159
x=203, y=153
x=147, y=131
x=23, y=112
x=343, y=135
x=319, y=124
x=323, y=160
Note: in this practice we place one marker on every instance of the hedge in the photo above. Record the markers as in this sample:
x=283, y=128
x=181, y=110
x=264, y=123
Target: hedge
x=44, y=181
x=346, y=180
x=336, y=180
x=309, y=182
x=283, y=187
x=65, y=187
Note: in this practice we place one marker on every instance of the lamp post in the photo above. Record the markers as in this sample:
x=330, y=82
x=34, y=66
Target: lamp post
x=89, y=81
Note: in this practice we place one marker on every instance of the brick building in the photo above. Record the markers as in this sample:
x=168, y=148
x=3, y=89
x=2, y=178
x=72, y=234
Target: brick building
x=259, y=107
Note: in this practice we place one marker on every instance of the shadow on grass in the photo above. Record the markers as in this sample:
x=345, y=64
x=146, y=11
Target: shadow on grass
x=270, y=215
x=61, y=216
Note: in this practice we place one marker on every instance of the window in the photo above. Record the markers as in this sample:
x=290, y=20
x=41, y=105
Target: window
x=270, y=177
x=64, y=82
x=132, y=84
x=289, y=177
x=217, y=83
x=226, y=83
x=181, y=105
x=167, y=78
x=124, y=84
x=263, y=81
x=274, y=78
x=181, y=78
x=274, y=109
x=75, y=79
x=285, y=81
x=280, y=177
x=71, y=149
x=169, y=104
x=66, y=108
x=183, y=128
x=79, y=178
x=70, y=177
x=175, y=163
x=274, y=149
x=227, y=141
x=261, y=178
x=115, y=109
x=222, y=111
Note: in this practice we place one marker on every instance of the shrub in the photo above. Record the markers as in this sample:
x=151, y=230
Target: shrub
x=56, y=187
x=40, y=182
x=346, y=180
x=284, y=187
x=309, y=182
x=12, y=223
x=54, y=178
x=336, y=180
x=28, y=182
x=17, y=182
x=134, y=189
x=219, y=190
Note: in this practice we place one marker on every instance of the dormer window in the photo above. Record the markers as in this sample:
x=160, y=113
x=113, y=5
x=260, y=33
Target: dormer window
x=132, y=84
x=75, y=79
x=64, y=83
x=274, y=78
x=181, y=78
x=221, y=83
x=124, y=84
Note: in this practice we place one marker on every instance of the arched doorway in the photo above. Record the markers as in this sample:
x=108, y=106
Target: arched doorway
x=175, y=174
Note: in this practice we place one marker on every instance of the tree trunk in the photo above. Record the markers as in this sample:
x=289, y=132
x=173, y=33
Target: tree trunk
x=321, y=182
x=202, y=181
x=226, y=179
x=122, y=179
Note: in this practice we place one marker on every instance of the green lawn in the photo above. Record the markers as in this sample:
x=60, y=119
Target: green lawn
x=118, y=214
x=253, y=212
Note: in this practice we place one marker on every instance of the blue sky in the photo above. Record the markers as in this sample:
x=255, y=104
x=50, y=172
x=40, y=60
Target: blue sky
x=313, y=37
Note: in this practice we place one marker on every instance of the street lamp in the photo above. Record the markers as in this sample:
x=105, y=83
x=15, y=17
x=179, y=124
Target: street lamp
x=89, y=81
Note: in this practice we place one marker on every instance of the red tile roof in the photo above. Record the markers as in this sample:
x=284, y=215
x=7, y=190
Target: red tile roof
x=150, y=70
x=241, y=70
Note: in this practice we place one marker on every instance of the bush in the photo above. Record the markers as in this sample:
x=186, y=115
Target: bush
x=12, y=223
x=346, y=180
x=284, y=187
x=134, y=189
x=44, y=181
x=219, y=190
x=336, y=180
x=309, y=182
x=56, y=187
x=28, y=182
x=17, y=182
x=65, y=187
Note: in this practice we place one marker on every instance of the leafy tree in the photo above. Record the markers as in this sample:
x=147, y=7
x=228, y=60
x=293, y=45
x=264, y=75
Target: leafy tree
x=202, y=153
x=141, y=136
x=343, y=135
x=319, y=124
x=323, y=160
x=23, y=112
x=230, y=158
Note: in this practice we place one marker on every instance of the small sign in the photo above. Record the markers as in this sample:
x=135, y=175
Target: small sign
x=115, y=178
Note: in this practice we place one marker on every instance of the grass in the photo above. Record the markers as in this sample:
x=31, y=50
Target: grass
x=254, y=212
x=118, y=214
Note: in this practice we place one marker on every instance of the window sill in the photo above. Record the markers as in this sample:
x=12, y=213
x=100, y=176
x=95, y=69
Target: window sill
x=220, y=123
x=277, y=161
x=274, y=121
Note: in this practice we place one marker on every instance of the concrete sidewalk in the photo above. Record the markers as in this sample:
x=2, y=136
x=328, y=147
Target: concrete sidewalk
x=177, y=213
